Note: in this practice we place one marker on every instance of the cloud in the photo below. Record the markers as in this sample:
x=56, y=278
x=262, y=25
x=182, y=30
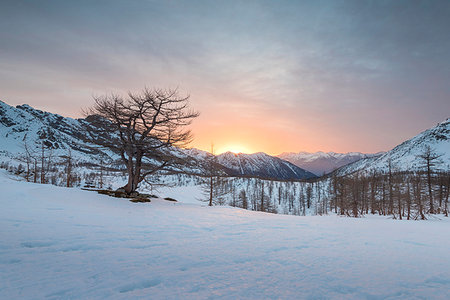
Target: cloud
x=352, y=69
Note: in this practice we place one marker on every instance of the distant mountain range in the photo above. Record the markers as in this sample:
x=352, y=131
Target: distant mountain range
x=321, y=163
x=23, y=123
x=257, y=164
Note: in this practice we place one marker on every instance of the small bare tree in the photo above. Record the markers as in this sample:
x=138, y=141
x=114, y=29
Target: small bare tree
x=213, y=180
x=142, y=128
x=68, y=162
x=26, y=158
x=46, y=159
x=430, y=159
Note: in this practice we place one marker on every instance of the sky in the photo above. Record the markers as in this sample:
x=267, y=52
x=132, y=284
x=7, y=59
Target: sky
x=271, y=76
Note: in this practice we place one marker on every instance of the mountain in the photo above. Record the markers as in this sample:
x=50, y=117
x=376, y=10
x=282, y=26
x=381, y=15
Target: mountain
x=257, y=164
x=24, y=124
x=320, y=162
x=262, y=165
x=405, y=157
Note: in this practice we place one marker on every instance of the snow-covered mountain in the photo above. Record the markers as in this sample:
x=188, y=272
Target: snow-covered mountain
x=320, y=162
x=257, y=164
x=24, y=124
x=262, y=165
x=405, y=157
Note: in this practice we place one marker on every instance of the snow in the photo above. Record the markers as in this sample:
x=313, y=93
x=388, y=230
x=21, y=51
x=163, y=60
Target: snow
x=24, y=123
x=68, y=243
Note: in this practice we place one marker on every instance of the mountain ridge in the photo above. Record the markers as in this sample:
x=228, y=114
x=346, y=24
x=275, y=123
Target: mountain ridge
x=405, y=156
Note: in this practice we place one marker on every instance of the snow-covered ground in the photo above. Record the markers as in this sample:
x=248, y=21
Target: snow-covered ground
x=67, y=243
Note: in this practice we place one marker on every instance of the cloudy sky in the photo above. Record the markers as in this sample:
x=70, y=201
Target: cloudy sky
x=268, y=76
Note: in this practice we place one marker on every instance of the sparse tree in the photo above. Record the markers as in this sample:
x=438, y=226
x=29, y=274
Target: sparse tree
x=430, y=159
x=68, y=162
x=308, y=195
x=243, y=201
x=46, y=161
x=213, y=181
x=27, y=158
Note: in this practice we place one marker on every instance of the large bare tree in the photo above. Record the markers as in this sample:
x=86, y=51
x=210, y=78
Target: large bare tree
x=143, y=128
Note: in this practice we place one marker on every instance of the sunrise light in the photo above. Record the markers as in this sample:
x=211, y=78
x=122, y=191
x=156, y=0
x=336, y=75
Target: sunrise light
x=236, y=149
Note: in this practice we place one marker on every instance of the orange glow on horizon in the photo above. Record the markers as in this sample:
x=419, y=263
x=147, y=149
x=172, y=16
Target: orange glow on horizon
x=236, y=149
x=243, y=131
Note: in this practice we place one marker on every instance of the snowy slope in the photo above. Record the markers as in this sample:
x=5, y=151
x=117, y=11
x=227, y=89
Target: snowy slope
x=24, y=123
x=262, y=165
x=320, y=162
x=60, y=243
x=404, y=157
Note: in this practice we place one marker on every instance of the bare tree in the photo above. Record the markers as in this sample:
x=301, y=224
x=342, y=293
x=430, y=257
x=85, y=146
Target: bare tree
x=243, y=201
x=27, y=158
x=213, y=181
x=102, y=160
x=408, y=199
x=31, y=159
x=146, y=127
x=46, y=161
x=68, y=161
x=430, y=159
x=447, y=192
x=391, y=188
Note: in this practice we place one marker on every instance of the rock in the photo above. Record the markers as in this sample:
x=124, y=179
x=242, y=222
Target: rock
x=140, y=200
x=133, y=194
x=170, y=199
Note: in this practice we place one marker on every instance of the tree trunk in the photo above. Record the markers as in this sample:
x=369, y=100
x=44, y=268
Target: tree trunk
x=430, y=193
x=211, y=188
x=408, y=202
x=130, y=187
x=446, y=196
x=399, y=202
x=262, y=196
x=35, y=171
x=42, y=164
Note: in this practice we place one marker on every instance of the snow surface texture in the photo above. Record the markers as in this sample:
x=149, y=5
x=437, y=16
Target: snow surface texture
x=66, y=243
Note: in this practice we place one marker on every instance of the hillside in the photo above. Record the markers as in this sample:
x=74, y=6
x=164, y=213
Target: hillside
x=262, y=165
x=404, y=157
x=25, y=124
x=321, y=163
